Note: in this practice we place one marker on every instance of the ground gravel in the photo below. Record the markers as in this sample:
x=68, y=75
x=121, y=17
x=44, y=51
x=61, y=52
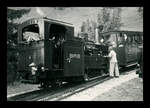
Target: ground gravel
x=129, y=91
x=125, y=88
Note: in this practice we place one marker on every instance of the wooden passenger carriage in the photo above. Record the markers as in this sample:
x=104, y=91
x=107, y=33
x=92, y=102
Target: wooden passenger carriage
x=127, y=43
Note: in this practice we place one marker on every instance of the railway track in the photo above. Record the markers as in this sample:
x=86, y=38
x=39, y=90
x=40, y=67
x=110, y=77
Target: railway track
x=49, y=92
x=79, y=88
x=71, y=91
x=57, y=94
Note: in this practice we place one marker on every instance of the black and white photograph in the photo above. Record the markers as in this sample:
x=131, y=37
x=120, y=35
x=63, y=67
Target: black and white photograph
x=74, y=53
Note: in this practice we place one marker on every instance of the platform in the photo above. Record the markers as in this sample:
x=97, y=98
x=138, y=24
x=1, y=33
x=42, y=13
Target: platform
x=128, y=87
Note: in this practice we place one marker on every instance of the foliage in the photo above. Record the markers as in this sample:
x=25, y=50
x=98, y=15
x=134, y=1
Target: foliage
x=108, y=18
x=12, y=41
x=89, y=27
x=12, y=15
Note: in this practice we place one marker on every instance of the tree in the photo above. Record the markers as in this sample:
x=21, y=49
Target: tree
x=103, y=18
x=88, y=27
x=110, y=18
x=12, y=15
x=115, y=22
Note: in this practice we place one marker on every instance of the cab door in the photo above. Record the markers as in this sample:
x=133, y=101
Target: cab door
x=73, y=58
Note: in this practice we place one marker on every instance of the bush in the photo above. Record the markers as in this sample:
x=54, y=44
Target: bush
x=12, y=64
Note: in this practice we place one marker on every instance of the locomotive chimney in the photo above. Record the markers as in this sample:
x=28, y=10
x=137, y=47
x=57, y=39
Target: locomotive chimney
x=97, y=30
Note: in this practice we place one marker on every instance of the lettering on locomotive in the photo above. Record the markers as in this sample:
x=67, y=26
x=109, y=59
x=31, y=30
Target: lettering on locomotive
x=77, y=56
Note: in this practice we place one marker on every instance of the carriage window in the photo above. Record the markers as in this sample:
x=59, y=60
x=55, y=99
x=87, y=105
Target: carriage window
x=141, y=38
x=137, y=38
x=130, y=39
x=120, y=38
x=125, y=37
x=31, y=33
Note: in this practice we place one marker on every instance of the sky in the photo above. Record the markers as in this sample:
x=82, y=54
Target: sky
x=76, y=15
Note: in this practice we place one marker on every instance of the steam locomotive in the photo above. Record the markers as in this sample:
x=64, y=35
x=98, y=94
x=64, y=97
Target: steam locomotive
x=49, y=54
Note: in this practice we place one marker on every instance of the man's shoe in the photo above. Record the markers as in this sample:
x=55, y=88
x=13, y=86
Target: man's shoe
x=116, y=76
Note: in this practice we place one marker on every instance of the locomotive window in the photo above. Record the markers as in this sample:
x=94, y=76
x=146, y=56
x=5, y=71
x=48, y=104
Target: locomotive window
x=31, y=33
x=57, y=31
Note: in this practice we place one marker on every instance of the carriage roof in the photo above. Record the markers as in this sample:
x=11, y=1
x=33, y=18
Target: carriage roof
x=123, y=31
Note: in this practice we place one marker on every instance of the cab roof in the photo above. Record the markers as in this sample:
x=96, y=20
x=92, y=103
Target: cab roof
x=49, y=20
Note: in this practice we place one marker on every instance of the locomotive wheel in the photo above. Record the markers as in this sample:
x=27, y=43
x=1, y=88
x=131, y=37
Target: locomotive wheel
x=85, y=77
x=44, y=85
x=57, y=83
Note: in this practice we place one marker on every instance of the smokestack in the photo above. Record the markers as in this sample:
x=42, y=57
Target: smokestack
x=97, y=35
x=97, y=31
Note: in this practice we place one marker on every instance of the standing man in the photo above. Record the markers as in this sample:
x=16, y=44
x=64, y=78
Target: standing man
x=113, y=63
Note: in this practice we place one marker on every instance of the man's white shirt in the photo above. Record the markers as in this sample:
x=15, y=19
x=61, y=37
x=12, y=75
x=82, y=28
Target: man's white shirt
x=112, y=55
